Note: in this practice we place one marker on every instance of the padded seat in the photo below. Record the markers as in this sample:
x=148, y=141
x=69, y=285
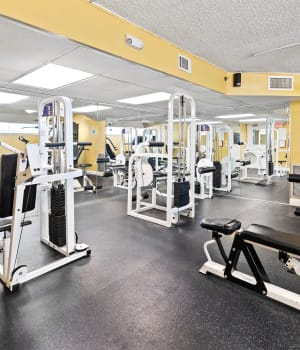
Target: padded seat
x=85, y=165
x=245, y=162
x=287, y=242
x=222, y=225
x=206, y=170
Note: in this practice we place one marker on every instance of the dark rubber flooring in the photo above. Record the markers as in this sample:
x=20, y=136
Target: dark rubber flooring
x=141, y=288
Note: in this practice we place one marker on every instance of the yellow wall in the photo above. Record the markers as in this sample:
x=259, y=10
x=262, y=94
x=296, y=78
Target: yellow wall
x=294, y=133
x=86, y=126
x=85, y=23
x=91, y=25
x=12, y=140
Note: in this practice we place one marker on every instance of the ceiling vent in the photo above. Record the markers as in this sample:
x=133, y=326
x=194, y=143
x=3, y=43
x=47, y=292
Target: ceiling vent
x=281, y=83
x=184, y=64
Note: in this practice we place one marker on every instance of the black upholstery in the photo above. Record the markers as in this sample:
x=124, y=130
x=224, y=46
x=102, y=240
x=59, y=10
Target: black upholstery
x=85, y=165
x=206, y=170
x=287, y=242
x=245, y=162
x=294, y=178
x=221, y=225
x=110, y=152
x=8, y=167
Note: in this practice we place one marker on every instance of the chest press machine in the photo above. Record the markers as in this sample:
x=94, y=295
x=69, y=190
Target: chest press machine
x=244, y=240
x=45, y=169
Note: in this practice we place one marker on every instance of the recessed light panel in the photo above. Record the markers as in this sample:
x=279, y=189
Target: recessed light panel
x=30, y=111
x=90, y=108
x=52, y=76
x=252, y=120
x=144, y=99
x=234, y=116
x=7, y=98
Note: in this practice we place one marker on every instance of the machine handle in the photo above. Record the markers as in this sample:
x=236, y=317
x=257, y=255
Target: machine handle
x=84, y=143
x=156, y=144
x=294, y=178
x=22, y=139
x=54, y=145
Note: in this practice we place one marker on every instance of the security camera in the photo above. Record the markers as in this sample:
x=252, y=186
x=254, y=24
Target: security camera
x=134, y=42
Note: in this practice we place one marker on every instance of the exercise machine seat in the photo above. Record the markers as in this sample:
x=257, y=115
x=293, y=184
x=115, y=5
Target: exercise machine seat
x=294, y=178
x=222, y=225
x=267, y=236
x=205, y=170
x=85, y=165
x=245, y=162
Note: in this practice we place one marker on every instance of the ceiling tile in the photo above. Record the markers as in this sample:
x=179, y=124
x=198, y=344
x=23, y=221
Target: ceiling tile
x=24, y=49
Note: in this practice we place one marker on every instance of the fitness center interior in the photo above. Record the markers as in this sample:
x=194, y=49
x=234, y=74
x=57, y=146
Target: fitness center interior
x=149, y=174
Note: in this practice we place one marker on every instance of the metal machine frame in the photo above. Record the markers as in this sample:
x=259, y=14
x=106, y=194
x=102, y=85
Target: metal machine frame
x=33, y=168
x=259, y=282
x=141, y=207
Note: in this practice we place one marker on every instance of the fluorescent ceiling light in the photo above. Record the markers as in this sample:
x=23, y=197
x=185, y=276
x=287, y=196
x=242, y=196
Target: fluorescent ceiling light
x=144, y=99
x=52, y=76
x=212, y=122
x=188, y=120
x=252, y=120
x=7, y=98
x=30, y=111
x=90, y=108
x=233, y=116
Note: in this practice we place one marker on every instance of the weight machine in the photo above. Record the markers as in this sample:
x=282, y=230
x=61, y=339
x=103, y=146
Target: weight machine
x=179, y=183
x=267, y=157
x=129, y=139
x=87, y=183
x=45, y=169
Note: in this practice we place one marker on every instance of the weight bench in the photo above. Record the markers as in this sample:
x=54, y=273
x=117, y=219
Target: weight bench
x=286, y=244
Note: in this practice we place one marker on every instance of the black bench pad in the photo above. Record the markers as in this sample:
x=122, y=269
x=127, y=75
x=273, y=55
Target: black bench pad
x=205, y=170
x=287, y=242
x=221, y=225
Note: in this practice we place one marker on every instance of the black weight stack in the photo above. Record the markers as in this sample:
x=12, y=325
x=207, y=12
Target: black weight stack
x=197, y=187
x=181, y=193
x=57, y=218
x=217, y=175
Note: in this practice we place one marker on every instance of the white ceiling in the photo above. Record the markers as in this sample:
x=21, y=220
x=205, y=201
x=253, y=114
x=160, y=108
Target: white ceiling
x=24, y=49
x=224, y=32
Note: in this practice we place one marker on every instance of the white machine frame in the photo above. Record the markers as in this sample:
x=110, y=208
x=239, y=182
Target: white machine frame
x=272, y=291
x=172, y=213
x=36, y=172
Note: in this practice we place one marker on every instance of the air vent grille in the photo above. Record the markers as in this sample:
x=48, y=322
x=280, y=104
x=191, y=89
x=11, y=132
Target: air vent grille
x=184, y=64
x=281, y=83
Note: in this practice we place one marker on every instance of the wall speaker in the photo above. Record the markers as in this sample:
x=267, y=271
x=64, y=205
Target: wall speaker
x=237, y=78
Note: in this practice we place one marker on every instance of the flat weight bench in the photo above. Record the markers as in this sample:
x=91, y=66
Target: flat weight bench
x=287, y=245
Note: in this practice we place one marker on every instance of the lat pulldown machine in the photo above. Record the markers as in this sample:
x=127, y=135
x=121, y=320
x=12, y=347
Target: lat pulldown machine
x=45, y=169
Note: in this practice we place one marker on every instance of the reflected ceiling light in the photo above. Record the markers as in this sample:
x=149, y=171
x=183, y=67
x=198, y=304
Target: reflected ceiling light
x=144, y=99
x=233, y=116
x=252, y=120
x=52, y=76
x=90, y=108
x=211, y=122
x=30, y=111
x=186, y=119
x=7, y=98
